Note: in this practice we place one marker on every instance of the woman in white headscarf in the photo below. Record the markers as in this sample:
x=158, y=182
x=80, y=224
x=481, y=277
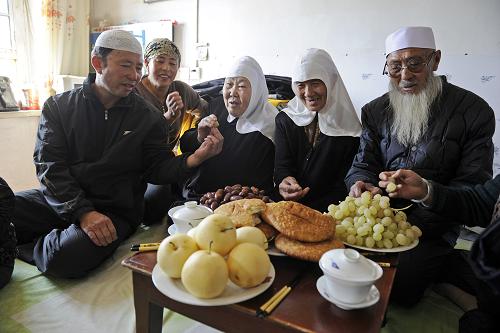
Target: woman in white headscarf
x=246, y=121
x=317, y=135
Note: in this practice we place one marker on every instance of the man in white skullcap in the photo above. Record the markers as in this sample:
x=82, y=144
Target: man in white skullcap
x=437, y=129
x=97, y=147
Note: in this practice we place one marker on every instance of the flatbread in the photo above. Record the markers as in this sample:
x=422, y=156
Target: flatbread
x=299, y=222
x=268, y=230
x=305, y=250
x=244, y=212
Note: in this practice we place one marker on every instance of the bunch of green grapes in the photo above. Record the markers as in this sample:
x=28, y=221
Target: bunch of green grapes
x=370, y=221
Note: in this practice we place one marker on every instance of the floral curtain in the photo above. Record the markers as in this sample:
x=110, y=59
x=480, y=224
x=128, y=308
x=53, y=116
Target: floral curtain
x=65, y=38
x=25, y=46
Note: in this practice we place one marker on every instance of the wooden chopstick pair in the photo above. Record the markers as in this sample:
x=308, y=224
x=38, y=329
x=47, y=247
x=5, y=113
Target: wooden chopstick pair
x=385, y=264
x=273, y=302
x=269, y=306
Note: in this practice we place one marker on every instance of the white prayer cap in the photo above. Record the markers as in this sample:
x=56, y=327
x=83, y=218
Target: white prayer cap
x=420, y=37
x=119, y=40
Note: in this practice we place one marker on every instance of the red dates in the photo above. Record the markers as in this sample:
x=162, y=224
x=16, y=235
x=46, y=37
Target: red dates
x=232, y=193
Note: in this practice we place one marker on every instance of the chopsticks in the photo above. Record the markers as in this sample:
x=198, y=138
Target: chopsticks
x=273, y=302
x=269, y=306
x=145, y=247
x=385, y=264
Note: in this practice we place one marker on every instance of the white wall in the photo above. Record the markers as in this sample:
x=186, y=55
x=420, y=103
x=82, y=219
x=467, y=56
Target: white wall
x=353, y=32
x=17, y=137
x=118, y=12
x=274, y=32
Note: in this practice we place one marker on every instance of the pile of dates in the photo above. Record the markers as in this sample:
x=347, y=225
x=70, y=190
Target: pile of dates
x=232, y=193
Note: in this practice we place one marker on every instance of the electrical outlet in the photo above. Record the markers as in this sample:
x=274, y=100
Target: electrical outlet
x=194, y=73
x=202, y=51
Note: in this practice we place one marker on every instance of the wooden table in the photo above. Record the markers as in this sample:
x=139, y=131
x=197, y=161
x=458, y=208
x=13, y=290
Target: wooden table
x=303, y=310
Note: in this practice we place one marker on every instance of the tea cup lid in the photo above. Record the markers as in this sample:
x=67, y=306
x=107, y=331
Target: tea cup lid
x=349, y=265
x=191, y=211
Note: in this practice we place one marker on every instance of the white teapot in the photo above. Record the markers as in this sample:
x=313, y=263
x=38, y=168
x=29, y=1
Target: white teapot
x=188, y=216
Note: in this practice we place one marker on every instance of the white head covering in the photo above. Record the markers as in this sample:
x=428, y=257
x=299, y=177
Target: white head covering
x=421, y=37
x=119, y=40
x=260, y=114
x=338, y=117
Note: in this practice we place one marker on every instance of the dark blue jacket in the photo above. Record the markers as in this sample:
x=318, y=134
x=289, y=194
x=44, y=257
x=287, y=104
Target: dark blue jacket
x=89, y=158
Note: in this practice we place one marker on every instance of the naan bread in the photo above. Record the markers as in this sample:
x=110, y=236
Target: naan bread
x=299, y=222
x=244, y=212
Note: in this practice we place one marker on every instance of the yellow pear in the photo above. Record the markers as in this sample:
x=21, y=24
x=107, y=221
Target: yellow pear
x=248, y=265
x=218, y=232
x=205, y=274
x=173, y=253
x=251, y=235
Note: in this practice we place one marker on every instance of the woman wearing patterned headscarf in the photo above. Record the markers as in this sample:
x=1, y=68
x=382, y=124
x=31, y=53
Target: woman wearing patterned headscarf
x=317, y=135
x=246, y=121
x=177, y=101
x=173, y=98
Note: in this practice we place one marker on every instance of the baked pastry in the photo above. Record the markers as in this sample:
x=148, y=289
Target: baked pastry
x=244, y=212
x=268, y=230
x=305, y=250
x=299, y=222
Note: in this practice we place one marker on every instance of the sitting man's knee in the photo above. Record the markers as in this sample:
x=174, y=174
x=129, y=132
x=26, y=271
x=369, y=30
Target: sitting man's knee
x=60, y=265
x=69, y=258
x=406, y=299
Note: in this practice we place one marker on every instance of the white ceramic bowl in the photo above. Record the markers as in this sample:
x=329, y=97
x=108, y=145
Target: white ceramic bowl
x=349, y=274
x=188, y=216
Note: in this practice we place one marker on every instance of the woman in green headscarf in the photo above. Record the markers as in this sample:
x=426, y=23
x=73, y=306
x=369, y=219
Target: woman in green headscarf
x=177, y=101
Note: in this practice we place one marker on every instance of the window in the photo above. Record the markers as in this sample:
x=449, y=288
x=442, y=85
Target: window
x=5, y=26
x=7, y=46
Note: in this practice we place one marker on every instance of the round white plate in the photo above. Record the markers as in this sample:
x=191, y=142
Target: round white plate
x=172, y=229
x=174, y=289
x=273, y=251
x=376, y=249
x=372, y=298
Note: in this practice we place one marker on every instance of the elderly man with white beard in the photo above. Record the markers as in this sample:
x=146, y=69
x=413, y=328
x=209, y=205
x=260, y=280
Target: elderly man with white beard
x=442, y=132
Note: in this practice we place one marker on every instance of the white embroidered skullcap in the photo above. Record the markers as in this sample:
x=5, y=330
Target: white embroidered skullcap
x=420, y=37
x=119, y=40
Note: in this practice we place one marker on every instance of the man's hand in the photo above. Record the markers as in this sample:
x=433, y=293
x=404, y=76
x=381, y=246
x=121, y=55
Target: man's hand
x=409, y=185
x=98, y=227
x=175, y=105
x=360, y=187
x=211, y=146
x=291, y=190
x=205, y=127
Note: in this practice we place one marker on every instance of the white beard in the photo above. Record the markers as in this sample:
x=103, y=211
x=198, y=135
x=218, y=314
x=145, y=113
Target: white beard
x=411, y=111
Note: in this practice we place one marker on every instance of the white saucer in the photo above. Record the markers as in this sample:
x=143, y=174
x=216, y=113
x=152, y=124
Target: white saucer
x=372, y=298
x=172, y=229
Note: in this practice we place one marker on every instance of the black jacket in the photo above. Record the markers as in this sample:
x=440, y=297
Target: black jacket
x=472, y=206
x=7, y=233
x=321, y=168
x=89, y=158
x=246, y=159
x=476, y=206
x=456, y=150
